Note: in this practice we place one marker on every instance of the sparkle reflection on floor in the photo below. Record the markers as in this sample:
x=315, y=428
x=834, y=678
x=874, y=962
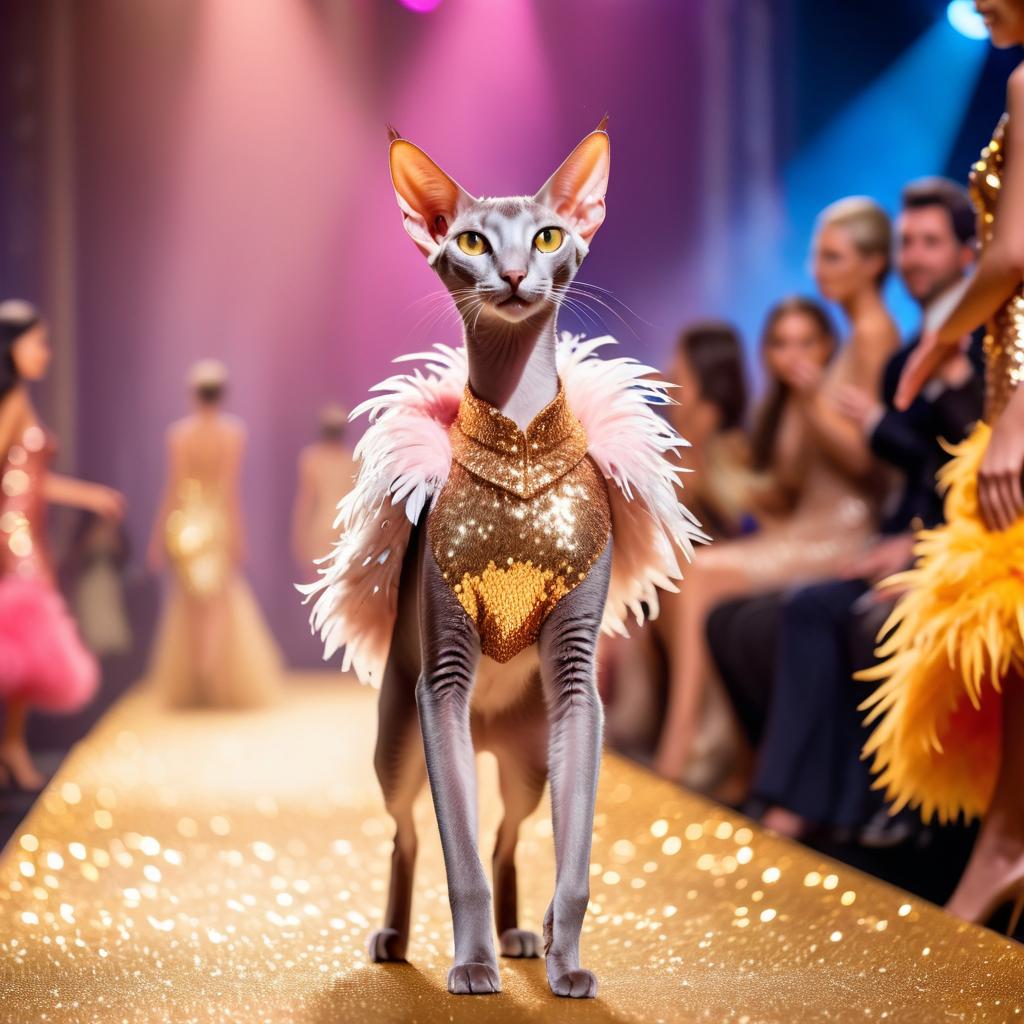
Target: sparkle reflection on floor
x=206, y=866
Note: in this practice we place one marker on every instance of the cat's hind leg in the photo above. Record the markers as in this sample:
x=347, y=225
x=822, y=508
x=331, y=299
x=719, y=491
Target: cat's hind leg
x=401, y=772
x=519, y=742
x=398, y=759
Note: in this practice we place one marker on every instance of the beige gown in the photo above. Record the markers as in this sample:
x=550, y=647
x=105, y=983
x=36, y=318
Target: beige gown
x=833, y=519
x=207, y=586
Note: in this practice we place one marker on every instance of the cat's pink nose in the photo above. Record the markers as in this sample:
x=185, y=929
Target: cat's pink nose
x=514, y=279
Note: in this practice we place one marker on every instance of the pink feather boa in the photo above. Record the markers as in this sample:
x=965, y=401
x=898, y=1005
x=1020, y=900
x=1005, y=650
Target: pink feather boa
x=405, y=456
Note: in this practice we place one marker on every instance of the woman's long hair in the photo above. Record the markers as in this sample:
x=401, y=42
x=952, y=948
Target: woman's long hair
x=714, y=350
x=16, y=317
x=769, y=413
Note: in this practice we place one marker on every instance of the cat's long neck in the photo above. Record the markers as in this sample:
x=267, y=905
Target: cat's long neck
x=512, y=366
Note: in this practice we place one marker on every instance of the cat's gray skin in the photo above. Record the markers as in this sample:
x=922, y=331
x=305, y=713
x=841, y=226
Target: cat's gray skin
x=540, y=714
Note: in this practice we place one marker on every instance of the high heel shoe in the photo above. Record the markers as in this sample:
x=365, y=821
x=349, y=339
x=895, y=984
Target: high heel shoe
x=1010, y=891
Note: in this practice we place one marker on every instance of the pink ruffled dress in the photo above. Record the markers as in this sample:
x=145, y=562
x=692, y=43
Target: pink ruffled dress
x=42, y=657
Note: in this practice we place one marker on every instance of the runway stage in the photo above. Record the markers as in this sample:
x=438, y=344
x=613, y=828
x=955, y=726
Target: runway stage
x=194, y=867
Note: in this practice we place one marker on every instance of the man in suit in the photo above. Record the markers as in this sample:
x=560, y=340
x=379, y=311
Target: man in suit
x=801, y=708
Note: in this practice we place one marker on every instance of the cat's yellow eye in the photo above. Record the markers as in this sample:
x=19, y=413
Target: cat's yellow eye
x=472, y=243
x=548, y=239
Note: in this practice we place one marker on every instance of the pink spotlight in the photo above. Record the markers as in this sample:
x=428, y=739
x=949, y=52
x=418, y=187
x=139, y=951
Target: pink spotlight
x=420, y=6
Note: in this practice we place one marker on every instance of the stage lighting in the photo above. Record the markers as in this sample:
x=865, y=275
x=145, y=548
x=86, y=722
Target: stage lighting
x=420, y=6
x=966, y=20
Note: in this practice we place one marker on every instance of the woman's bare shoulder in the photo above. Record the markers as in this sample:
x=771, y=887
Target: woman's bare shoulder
x=14, y=405
x=875, y=331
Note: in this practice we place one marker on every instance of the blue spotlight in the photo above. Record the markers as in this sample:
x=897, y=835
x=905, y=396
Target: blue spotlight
x=966, y=20
x=901, y=126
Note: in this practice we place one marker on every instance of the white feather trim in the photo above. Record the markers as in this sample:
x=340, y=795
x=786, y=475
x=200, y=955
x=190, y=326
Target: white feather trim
x=405, y=456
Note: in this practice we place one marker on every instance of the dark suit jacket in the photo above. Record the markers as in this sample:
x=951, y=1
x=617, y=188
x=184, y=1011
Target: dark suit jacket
x=910, y=440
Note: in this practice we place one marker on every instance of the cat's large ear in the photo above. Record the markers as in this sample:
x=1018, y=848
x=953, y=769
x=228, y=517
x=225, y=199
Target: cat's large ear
x=577, y=189
x=428, y=198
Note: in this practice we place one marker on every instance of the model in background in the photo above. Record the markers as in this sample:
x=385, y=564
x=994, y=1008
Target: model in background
x=950, y=709
x=43, y=662
x=326, y=474
x=213, y=647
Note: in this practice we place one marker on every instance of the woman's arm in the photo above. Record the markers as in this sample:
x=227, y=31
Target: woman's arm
x=67, y=490
x=839, y=437
x=1000, y=267
x=1000, y=497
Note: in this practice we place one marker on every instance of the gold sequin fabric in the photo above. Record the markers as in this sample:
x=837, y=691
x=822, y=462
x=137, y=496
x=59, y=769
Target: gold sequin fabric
x=1004, y=338
x=520, y=520
x=197, y=539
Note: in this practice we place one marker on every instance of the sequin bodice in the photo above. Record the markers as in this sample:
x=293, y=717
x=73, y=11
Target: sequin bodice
x=1004, y=338
x=520, y=520
x=23, y=543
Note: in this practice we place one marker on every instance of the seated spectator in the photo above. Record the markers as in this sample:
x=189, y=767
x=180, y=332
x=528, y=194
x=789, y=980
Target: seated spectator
x=710, y=411
x=809, y=772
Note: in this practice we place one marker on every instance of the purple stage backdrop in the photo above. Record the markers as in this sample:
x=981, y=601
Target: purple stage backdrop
x=229, y=196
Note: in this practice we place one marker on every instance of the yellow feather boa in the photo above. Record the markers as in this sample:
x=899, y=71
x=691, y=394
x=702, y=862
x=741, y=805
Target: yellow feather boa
x=947, y=647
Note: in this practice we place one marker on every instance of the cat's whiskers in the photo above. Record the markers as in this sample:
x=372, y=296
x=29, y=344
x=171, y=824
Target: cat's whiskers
x=585, y=285
x=445, y=304
x=432, y=316
x=586, y=299
x=574, y=306
x=575, y=303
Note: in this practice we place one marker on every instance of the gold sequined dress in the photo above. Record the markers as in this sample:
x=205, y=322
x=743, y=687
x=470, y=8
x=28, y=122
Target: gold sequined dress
x=209, y=591
x=520, y=520
x=959, y=628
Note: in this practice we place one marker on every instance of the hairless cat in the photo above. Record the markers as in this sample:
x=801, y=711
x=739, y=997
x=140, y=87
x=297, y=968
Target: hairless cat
x=552, y=510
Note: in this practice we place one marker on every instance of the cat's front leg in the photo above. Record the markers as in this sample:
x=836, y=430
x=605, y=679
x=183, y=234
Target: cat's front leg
x=568, y=641
x=451, y=650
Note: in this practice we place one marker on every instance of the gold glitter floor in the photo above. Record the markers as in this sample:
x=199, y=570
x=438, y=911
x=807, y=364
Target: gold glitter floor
x=194, y=867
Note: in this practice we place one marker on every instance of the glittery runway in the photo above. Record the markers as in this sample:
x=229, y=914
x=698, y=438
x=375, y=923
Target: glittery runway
x=194, y=867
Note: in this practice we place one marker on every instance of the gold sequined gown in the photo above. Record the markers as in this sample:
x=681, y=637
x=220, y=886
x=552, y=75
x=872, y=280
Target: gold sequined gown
x=520, y=520
x=208, y=592
x=832, y=521
x=959, y=629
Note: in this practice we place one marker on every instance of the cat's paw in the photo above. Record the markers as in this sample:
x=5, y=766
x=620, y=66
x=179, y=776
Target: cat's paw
x=517, y=942
x=473, y=979
x=576, y=984
x=386, y=945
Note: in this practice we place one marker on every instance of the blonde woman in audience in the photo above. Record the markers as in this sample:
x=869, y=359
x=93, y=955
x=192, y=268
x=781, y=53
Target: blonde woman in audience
x=815, y=489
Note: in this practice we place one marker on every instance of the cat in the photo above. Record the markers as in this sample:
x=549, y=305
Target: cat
x=535, y=461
